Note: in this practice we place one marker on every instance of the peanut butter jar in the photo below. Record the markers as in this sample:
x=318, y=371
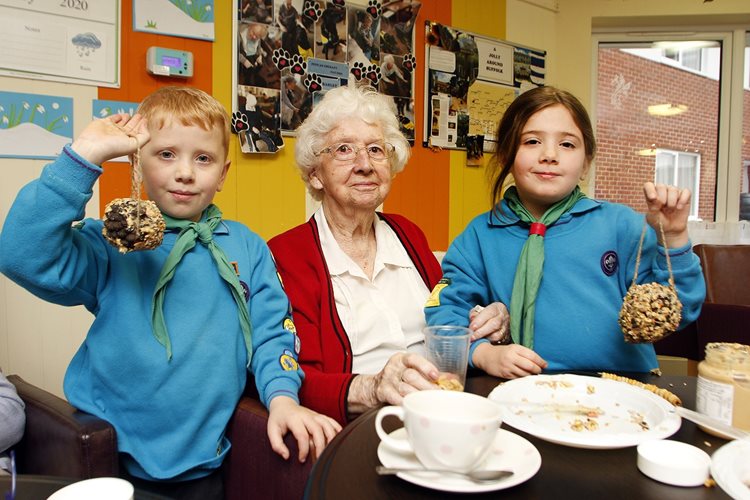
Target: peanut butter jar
x=724, y=384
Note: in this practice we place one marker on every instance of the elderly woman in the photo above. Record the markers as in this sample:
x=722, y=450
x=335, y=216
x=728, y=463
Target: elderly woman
x=358, y=279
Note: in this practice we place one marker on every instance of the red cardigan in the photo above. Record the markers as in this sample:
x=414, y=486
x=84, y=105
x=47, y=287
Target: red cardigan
x=326, y=355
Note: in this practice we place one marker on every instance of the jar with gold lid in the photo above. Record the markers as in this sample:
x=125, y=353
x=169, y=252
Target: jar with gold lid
x=724, y=384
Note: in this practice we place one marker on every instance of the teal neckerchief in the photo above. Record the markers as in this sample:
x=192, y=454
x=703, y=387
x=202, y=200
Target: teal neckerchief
x=190, y=233
x=530, y=263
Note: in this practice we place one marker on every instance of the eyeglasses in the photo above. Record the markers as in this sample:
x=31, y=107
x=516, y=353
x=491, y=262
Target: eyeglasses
x=377, y=151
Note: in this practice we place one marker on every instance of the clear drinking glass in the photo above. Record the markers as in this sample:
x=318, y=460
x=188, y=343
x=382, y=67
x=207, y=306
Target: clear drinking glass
x=448, y=349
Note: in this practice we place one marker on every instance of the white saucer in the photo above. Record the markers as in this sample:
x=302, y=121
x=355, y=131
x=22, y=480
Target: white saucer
x=730, y=467
x=509, y=450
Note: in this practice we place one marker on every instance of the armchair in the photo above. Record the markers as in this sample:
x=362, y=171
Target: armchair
x=62, y=441
x=725, y=316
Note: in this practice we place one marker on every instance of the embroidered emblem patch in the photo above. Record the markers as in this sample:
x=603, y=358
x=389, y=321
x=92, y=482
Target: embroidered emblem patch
x=434, y=299
x=289, y=326
x=288, y=363
x=610, y=262
x=245, y=290
x=297, y=344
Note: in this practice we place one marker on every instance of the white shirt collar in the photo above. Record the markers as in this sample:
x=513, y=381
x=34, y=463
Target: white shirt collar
x=390, y=251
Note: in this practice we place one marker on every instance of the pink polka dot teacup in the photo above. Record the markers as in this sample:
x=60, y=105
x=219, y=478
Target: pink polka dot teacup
x=445, y=429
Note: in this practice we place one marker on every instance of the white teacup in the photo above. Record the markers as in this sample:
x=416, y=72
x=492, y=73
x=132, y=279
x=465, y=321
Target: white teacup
x=445, y=429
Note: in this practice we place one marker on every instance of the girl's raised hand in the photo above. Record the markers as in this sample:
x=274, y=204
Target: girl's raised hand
x=111, y=137
x=669, y=205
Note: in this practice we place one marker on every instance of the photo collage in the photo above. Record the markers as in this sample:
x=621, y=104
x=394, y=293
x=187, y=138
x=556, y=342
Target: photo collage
x=290, y=52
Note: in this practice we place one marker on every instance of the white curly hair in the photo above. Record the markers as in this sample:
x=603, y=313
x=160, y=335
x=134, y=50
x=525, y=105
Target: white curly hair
x=359, y=101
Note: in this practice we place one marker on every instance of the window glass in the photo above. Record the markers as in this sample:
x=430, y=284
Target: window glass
x=657, y=120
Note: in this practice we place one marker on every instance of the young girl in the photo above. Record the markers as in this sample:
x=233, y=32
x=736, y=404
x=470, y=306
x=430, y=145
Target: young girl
x=561, y=261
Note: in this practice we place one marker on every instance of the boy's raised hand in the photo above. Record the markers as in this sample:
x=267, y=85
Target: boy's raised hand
x=111, y=137
x=310, y=429
x=671, y=206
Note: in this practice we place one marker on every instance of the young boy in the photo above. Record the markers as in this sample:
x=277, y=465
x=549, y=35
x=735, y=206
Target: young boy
x=166, y=357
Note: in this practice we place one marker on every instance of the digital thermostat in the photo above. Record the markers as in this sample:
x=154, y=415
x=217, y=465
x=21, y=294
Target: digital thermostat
x=169, y=62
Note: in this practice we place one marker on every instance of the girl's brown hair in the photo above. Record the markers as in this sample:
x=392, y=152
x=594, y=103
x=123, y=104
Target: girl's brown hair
x=511, y=126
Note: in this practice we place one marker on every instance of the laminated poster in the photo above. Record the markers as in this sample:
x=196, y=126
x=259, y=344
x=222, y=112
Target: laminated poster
x=34, y=126
x=184, y=18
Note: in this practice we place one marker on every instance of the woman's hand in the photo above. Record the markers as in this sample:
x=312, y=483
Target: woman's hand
x=491, y=322
x=508, y=361
x=402, y=374
x=669, y=205
x=312, y=430
x=111, y=137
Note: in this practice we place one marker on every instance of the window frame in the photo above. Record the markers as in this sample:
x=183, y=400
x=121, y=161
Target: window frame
x=695, y=188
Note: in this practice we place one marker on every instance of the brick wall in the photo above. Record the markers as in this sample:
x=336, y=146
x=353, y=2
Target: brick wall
x=627, y=85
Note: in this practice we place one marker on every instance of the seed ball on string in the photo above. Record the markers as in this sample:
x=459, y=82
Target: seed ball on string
x=649, y=313
x=129, y=227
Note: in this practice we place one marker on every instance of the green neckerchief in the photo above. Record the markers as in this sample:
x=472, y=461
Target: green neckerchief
x=190, y=232
x=530, y=263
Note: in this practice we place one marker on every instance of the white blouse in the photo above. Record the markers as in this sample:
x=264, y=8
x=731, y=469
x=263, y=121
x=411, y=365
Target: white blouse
x=382, y=316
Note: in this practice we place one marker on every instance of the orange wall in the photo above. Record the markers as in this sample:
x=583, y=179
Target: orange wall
x=421, y=191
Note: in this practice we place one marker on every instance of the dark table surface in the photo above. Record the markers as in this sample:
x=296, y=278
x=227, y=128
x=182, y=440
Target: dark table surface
x=346, y=469
x=30, y=487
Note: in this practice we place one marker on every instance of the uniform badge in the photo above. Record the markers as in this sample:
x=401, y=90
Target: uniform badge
x=288, y=363
x=610, y=262
x=289, y=326
x=434, y=299
x=245, y=290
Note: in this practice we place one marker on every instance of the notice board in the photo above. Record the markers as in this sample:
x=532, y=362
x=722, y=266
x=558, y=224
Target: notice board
x=469, y=82
x=73, y=41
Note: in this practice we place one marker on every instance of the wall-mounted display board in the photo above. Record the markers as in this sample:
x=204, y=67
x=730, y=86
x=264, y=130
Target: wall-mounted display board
x=34, y=125
x=290, y=52
x=74, y=41
x=182, y=18
x=469, y=82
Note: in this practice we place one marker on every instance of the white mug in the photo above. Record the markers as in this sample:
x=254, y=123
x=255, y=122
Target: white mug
x=445, y=429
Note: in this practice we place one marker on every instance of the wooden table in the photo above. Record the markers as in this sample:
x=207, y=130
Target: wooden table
x=346, y=469
x=31, y=487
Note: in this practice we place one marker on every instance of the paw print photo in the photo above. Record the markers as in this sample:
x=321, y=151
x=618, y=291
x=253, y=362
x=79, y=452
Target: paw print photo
x=313, y=83
x=374, y=8
x=312, y=10
x=281, y=59
x=409, y=63
x=340, y=3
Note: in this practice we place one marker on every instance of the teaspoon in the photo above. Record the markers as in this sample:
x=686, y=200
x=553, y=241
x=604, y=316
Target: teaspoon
x=480, y=476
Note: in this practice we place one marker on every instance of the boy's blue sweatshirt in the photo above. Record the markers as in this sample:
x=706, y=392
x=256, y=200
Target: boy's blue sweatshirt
x=589, y=261
x=170, y=416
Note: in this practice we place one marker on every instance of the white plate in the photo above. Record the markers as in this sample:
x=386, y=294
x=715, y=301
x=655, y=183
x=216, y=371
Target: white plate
x=541, y=406
x=508, y=451
x=111, y=488
x=730, y=468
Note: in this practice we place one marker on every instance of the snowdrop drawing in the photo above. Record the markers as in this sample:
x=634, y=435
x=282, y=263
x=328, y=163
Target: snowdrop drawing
x=34, y=125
